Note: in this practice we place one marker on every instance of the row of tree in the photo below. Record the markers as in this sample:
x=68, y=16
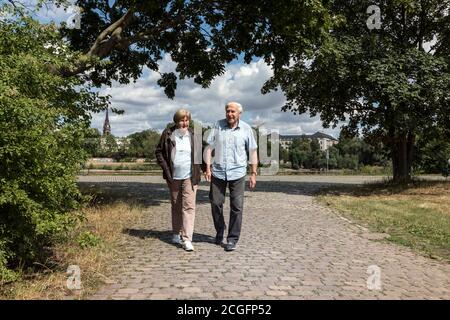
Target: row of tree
x=346, y=154
x=136, y=145
x=432, y=154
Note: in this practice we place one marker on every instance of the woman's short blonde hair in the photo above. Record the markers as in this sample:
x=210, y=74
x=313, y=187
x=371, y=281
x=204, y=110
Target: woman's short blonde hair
x=180, y=114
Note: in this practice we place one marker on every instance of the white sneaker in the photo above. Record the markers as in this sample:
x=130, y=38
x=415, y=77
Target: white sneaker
x=187, y=245
x=176, y=238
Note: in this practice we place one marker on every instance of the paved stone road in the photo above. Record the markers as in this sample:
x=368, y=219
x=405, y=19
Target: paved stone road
x=291, y=248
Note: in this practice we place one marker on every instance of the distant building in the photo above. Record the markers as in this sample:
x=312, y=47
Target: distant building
x=106, y=125
x=325, y=140
x=121, y=142
x=106, y=130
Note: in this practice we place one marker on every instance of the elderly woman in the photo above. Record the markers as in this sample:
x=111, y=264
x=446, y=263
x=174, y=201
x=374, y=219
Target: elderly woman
x=175, y=155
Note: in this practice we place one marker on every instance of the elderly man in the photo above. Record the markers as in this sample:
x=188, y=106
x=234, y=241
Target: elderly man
x=232, y=141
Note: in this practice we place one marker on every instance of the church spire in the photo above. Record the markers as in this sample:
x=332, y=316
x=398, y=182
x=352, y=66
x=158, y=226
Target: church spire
x=106, y=125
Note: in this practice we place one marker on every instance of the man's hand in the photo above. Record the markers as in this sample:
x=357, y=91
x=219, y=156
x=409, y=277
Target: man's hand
x=208, y=175
x=252, y=181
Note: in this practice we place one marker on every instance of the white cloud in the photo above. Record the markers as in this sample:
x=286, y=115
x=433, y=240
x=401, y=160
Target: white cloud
x=49, y=12
x=56, y=14
x=146, y=105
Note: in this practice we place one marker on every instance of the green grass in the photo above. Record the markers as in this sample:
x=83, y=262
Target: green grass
x=417, y=215
x=122, y=166
x=364, y=170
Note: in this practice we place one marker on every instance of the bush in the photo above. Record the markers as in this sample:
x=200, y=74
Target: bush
x=6, y=275
x=42, y=123
x=374, y=170
x=88, y=239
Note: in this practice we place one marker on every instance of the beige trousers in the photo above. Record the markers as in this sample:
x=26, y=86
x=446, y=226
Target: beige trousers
x=182, y=197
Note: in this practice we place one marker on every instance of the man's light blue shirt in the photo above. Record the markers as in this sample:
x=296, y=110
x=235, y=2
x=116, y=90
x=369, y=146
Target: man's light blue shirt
x=230, y=147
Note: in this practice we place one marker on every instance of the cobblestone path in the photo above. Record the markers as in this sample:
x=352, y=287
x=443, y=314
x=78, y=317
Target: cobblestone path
x=291, y=247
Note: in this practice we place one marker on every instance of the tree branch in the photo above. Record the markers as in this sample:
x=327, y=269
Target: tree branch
x=16, y=9
x=148, y=34
x=114, y=31
x=102, y=46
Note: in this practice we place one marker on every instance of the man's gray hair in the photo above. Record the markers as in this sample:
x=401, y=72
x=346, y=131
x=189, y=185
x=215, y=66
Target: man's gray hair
x=238, y=105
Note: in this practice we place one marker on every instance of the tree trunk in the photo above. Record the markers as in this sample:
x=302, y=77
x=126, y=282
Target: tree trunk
x=402, y=155
x=410, y=151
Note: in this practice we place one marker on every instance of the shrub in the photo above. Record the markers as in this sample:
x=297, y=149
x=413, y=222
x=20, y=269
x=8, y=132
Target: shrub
x=88, y=239
x=43, y=118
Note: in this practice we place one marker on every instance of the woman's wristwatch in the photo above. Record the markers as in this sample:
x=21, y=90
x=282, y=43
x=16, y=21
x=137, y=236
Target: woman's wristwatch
x=253, y=172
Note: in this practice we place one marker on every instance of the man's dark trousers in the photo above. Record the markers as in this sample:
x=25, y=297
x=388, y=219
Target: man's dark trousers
x=217, y=197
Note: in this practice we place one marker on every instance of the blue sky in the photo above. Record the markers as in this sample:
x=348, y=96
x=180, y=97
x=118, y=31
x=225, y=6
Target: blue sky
x=147, y=107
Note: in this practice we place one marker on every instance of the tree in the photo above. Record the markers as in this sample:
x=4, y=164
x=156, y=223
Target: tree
x=108, y=146
x=284, y=153
x=383, y=82
x=433, y=151
x=299, y=152
x=118, y=38
x=316, y=158
x=333, y=157
x=142, y=144
x=92, y=142
x=43, y=119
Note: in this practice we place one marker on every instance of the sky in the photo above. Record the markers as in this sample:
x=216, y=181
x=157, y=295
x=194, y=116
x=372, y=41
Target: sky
x=147, y=107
